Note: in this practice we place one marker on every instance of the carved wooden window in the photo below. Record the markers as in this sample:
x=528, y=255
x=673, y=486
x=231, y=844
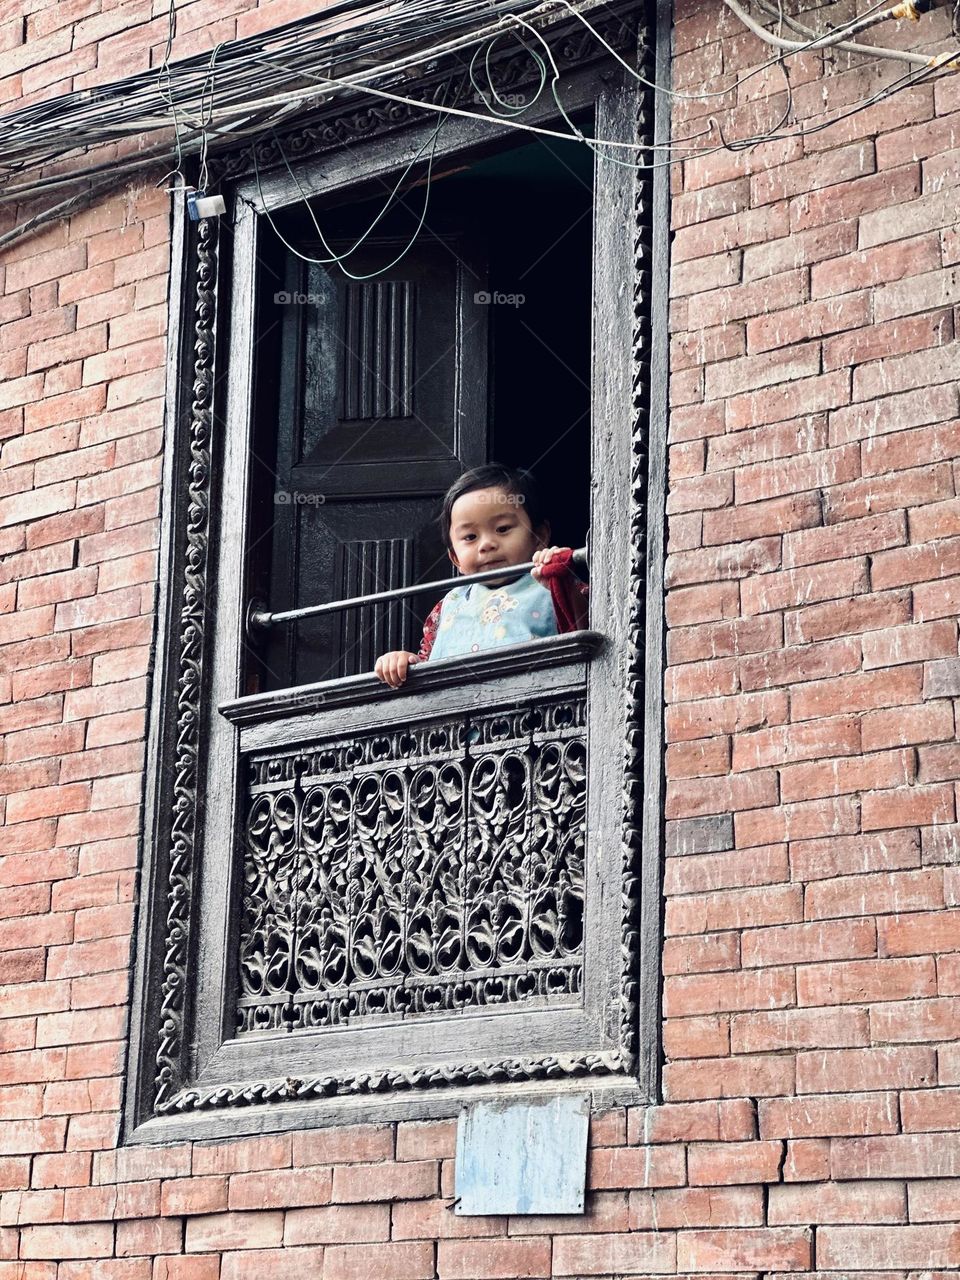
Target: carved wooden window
x=351, y=893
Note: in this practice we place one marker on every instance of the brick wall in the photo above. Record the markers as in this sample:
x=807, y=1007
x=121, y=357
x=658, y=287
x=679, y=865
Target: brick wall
x=811, y=1033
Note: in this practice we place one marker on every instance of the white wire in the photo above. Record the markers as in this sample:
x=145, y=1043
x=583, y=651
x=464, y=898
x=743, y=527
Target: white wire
x=339, y=259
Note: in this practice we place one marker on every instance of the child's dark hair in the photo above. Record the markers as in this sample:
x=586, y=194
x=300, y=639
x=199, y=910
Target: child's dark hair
x=492, y=475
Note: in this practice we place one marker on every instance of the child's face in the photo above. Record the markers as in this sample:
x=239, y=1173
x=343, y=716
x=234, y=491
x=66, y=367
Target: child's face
x=489, y=528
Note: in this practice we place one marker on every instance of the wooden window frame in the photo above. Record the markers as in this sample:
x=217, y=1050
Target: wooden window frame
x=187, y=1077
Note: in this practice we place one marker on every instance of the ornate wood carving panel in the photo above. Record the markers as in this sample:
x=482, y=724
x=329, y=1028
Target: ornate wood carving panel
x=426, y=869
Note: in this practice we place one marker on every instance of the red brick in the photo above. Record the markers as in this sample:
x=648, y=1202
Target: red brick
x=713, y=952
x=798, y=1029
x=858, y=1202
x=63, y=1169
x=409, y=1261
x=835, y=777
x=808, y=1160
x=866, y=980
x=693, y=277
x=426, y=1140
x=930, y=1110
x=337, y=1224
x=741, y=447
x=493, y=1259
x=882, y=341
x=715, y=993
x=280, y=1188
x=882, y=892
x=760, y=1075
x=198, y=1195
x=894, y=413
x=718, y=1164
x=844, y=164
x=876, y=1247
x=852, y=855
x=149, y=1237
x=933, y=1201
x=919, y=805
x=700, y=493
x=852, y=538
x=852, y=693
x=707, y=1037
x=411, y=1180
x=934, y=721
x=941, y=763
x=617, y=1167
x=926, y=444
x=726, y=715
x=832, y=1115
x=734, y=869
x=707, y=1206
x=915, y=1020
x=849, y=199
x=783, y=744
x=800, y=587
x=794, y=475
x=253, y=1264
x=737, y=229
x=725, y=305
x=638, y=1253
x=708, y=603
x=808, y=820
x=850, y=1070
x=738, y=560
x=700, y=679
x=757, y=1249
x=851, y=502
x=686, y=460
x=874, y=266
x=735, y=909
x=704, y=346
x=760, y=519
x=94, y=1240
x=723, y=639
x=792, y=666
x=694, y=797
x=802, y=249
x=813, y=320
x=138, y=1199
x=221, y=1231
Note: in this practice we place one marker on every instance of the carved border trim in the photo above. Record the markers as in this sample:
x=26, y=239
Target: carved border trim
x=334, y=126
x=561, y=1066
x=631, y=822
x=185, y=820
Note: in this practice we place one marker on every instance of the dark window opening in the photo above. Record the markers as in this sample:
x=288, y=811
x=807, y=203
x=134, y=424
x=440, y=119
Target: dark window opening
x=373, y=395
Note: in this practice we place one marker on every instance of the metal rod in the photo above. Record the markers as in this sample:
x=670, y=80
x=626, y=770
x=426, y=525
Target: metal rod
x=259, y=618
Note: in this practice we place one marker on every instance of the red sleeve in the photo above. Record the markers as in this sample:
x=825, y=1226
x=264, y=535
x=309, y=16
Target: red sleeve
x=430, y=631
x=568, y=593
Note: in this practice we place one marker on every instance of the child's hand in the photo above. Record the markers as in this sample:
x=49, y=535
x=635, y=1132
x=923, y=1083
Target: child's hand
x=392, y=667
x=543, y=557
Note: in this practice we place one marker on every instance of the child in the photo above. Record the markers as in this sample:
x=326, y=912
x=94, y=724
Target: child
x=491, y=516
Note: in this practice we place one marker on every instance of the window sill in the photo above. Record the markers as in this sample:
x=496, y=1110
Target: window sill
x=446, y=673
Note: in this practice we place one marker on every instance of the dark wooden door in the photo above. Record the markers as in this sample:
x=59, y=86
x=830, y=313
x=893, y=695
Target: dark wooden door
x=383, y=403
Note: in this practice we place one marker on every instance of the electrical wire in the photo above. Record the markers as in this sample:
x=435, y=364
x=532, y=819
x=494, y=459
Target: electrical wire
x=339, y=259
x=246, y=88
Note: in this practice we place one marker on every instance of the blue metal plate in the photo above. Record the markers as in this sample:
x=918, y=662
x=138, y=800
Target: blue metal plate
x=523, y=1157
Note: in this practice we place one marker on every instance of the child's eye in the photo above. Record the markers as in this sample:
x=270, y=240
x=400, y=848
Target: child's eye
x=505, y=528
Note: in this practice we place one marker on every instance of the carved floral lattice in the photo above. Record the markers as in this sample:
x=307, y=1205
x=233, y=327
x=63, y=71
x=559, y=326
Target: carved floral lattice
x=416, y=871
